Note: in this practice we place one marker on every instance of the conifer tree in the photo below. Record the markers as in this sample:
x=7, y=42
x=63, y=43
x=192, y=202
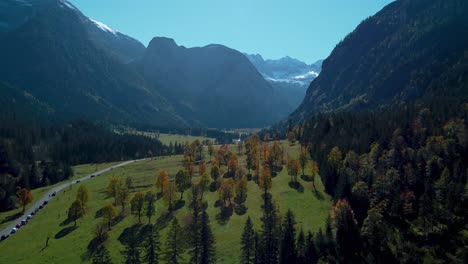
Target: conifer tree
x=301, y=248
x=102, y=256
x=311, y=255
x=288, y=240
x=152, y=246
x=174, y=243
x=131, y=253
x=208, y=251
x=150, y=208
x=269, y=240
x=195, y=239
x=248, y=243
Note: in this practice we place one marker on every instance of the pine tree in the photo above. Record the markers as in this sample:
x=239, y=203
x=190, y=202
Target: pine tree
x=348, y=236
x=152, y=246
x=102, y=256
x=311, y=255
x=195, y=229
x=301, y=248
x=288, y=241
x=174, y=247
x=248, y=243
x=269, y=240
x=150, y=208
x=131, y=253
x=208, y=251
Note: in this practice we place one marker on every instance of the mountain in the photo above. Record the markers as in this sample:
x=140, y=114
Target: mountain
x=286, y=69
x=76, y=67
x=52, y=57
x=289, y=77
x=409, y=51
x=214, y=86
x=14, y=13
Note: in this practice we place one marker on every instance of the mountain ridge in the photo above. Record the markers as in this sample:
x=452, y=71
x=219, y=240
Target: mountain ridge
x=371, y=67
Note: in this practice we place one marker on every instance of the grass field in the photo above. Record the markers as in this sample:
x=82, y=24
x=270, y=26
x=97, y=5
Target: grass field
x=168, y=138
x=69, y=245
x=79, y=171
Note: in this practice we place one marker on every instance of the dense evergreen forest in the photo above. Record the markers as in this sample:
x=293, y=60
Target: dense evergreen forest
x=32, y=156
x=399, y=180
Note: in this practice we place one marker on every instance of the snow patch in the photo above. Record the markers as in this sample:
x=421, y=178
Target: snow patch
x=69, y=5
x=306, y=75
x=103, y=26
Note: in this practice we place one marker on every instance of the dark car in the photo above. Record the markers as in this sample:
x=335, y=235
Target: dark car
x=18, y=226
x=54, y=193
x=23, y=222
x=45, y=202
x=78, y=181
x=92, y=176
x=4, y=237
x=40, y=207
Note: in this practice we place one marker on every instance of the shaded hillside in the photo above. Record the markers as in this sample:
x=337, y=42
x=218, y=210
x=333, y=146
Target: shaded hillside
x=14, y=13
x=408, y=51
x=215, y=86
x=52, y=58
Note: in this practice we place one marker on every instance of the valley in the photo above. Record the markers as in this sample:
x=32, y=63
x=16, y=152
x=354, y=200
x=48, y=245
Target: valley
x=311, y=211
x=185, y=141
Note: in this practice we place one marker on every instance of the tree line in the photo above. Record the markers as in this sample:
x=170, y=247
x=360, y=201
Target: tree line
x=33, y=156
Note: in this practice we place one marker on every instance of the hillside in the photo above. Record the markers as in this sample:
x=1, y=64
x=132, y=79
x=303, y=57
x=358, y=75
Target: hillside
x=214, y=86
x=51, y=57
x=408, y=51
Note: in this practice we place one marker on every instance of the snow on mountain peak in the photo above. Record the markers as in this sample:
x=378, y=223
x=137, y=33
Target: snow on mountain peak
x=103, y=26
x=68, y=4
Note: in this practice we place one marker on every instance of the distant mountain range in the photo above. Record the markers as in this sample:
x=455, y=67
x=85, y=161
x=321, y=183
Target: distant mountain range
x=289, y=77
x=70, y=66
x=286, y=69
x=409, y=51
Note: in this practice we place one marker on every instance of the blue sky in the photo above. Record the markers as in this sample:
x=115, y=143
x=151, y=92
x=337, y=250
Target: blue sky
x=303, y=29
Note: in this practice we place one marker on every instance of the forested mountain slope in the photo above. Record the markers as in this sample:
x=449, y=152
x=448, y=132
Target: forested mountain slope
x=410, y=50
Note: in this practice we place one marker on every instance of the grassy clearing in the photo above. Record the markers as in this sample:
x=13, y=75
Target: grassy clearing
x=69, y=245
x=79, y=171
x=166, y=139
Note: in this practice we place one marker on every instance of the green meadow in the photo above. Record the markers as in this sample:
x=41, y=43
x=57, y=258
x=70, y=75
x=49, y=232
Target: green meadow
x=69, y=244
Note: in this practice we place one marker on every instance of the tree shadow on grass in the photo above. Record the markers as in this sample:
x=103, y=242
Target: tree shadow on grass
x=12, y=217
x=318, y=195
x=163, y=220
x=296, y=185
x=240, y=209
x=132, y=232
x=178, y=205
x=99, y=213
x=224, y=215
x=65, y=231
x=119, y=218
x=66, y=222
x=145, y=186
x=306, y=178
x=93, y=247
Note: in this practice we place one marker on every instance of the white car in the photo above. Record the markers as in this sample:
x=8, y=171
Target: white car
x=13, y=230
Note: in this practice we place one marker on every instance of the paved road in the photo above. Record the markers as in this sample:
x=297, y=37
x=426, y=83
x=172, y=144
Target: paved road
x=48, y=196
